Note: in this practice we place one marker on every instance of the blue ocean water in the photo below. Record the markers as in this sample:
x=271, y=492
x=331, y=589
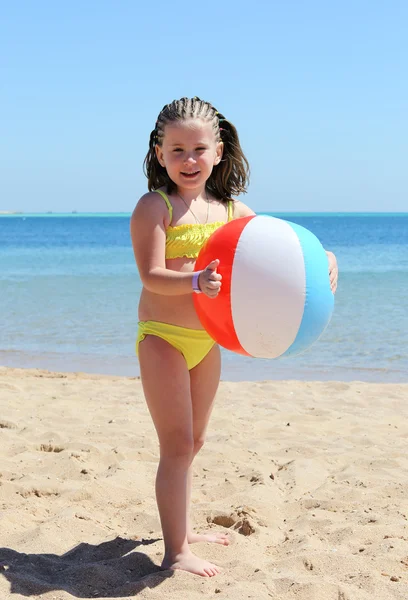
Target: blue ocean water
x=69, y=292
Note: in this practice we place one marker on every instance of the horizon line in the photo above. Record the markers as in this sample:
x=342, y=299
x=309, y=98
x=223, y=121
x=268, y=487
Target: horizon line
x=8, y=213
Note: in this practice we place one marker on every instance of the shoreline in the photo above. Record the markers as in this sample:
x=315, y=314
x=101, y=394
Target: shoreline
x=42, y=372
x=251, y=370
x=239, y=370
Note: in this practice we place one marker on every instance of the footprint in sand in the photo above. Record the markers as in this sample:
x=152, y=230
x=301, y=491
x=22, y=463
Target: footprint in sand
x=50, y=448
x=37, y=493
x=240, y=521
x=7, y=425
x=308, y=565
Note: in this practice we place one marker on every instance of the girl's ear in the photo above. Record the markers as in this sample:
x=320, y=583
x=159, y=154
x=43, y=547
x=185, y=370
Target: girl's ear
x=159, y=155
x=218, y=153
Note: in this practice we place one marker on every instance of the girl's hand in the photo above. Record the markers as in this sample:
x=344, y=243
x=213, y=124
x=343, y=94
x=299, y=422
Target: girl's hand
x=209, y=280
x=333, y=271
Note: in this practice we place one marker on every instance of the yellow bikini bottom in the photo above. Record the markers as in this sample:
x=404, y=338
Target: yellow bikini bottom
x=194, y=344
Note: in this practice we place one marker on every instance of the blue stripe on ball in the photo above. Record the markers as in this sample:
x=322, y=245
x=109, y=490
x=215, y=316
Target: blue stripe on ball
x=319, y=300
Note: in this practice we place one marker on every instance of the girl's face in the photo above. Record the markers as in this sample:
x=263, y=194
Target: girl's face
x=189, y=152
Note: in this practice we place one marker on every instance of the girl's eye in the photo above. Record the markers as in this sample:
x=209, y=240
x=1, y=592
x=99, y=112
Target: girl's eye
x=199, y=149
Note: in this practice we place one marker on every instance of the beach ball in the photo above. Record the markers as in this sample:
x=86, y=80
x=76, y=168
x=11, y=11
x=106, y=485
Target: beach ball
x=275, y=298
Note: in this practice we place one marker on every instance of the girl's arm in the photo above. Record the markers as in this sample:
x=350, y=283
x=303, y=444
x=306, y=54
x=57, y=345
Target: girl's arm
x=148, y=233
x=242, y=210
x=333, y=270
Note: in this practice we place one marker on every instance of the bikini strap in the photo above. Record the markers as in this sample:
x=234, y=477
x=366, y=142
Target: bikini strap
x=169, y=206
x=168, y=203
x=230, y=210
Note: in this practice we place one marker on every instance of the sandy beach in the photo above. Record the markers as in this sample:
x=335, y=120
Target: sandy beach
x=309, y=479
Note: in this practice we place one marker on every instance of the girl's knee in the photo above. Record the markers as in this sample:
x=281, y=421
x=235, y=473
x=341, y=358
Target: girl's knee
x=198, y=444
x=179, y=446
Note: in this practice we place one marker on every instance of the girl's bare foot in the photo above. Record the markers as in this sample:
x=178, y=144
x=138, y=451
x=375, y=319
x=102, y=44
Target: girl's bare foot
x=215, y=538
x=189, y=562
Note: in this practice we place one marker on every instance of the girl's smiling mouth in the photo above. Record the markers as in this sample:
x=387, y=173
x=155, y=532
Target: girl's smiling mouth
x=190, y=175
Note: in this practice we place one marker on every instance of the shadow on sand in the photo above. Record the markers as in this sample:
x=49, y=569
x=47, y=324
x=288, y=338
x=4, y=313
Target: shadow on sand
x=111, y=569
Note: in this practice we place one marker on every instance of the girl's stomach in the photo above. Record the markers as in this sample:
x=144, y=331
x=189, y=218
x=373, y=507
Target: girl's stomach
x=176, y=310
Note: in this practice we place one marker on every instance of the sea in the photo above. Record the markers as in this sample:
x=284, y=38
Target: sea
x=69, y=292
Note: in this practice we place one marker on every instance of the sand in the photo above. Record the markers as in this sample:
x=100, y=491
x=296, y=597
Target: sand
x=309, y=479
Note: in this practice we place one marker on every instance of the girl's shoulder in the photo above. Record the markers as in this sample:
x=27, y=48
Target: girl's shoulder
x=241, y=209
x=151, y=198
x=151, y=206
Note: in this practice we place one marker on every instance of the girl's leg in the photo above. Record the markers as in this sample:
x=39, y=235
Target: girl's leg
x=166, y=384
x=204, y=379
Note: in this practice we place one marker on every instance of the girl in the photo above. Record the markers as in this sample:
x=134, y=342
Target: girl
x=194, y=166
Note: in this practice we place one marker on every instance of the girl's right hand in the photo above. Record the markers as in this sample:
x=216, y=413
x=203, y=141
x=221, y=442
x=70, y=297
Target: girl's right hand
x=209, y=280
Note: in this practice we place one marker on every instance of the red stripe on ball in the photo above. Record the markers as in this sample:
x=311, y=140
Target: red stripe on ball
x=215, y=313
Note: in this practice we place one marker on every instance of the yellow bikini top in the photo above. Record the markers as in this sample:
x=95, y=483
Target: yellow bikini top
x=188, y=239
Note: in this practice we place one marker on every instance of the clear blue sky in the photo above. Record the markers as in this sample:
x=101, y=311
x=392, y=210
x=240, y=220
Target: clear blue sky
x=318, y=91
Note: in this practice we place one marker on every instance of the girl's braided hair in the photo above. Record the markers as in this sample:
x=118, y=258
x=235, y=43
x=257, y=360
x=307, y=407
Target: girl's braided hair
x=228, y=178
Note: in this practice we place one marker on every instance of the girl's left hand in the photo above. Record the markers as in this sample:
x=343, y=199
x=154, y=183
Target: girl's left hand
x=333, y=271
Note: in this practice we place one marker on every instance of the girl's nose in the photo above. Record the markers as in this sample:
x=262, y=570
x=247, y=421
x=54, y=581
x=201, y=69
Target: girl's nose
x=189, y=159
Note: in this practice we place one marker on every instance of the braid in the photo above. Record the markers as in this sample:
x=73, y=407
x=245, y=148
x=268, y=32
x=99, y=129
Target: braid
x=229, y=177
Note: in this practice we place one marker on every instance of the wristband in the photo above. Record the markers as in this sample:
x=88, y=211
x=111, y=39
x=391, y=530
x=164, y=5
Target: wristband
x=196, y=286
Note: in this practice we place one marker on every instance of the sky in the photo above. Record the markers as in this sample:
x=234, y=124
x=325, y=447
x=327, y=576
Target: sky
x=317, y=90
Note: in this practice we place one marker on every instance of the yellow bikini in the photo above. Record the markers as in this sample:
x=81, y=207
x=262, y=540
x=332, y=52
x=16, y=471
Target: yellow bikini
x=194, y=344
x=188, y=239
x=183, y=241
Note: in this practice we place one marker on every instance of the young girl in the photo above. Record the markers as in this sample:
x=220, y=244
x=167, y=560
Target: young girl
x=194, y=166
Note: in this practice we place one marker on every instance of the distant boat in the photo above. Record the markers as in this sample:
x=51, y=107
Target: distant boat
x=74, y=212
